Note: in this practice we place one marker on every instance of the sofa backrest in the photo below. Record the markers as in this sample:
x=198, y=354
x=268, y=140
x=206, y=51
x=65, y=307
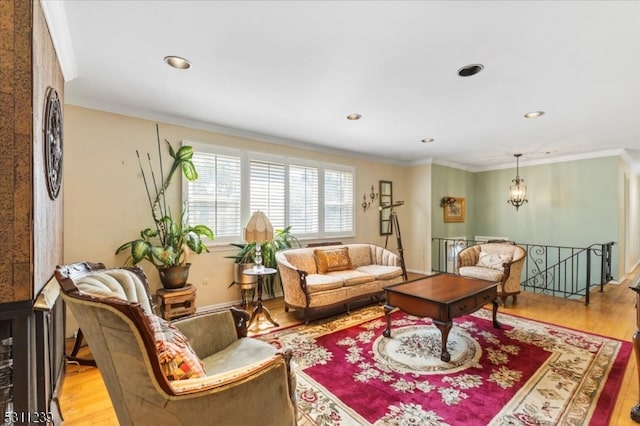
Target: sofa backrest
x=360, y=254
x=516, y=252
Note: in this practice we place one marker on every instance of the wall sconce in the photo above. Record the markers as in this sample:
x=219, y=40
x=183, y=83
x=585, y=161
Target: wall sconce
x=373, y=196
x=517, y=191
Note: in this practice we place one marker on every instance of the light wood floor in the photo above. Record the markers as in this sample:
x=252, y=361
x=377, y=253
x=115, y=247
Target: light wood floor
x=84, y=399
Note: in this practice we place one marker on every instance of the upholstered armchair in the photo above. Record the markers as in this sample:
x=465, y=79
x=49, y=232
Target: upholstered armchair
x=202, y=369
x=500, y=261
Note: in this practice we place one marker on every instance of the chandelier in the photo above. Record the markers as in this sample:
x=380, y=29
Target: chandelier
x=517, y=191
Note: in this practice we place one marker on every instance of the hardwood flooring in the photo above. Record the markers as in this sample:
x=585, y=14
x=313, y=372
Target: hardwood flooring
x=84, y=400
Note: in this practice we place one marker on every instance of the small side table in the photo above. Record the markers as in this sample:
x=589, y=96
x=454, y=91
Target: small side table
x=260, y=273
x=177, y=303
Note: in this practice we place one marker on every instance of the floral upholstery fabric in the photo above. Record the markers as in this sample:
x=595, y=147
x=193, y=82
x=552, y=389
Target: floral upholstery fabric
x=322, y=282
x=481, y=273
x=302, y=261
x=495, y=254
x=359, y=271
x=351, y=277
x=360, y=255
x=381, y=272
x=493, y=261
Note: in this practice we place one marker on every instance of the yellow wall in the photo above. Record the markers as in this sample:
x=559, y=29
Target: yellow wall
x=106, y=204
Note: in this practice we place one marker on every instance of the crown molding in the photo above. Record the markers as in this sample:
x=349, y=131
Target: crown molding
x=56, y=18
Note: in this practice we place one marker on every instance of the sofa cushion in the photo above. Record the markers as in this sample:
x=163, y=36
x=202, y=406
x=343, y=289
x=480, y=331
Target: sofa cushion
x=352, y=277
x=332, y=260
x=322, y=282
x=481, y=273
x=381, y=272
x=177, y=359
x=493, y=260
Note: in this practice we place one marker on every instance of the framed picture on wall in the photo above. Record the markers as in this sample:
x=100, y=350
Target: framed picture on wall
x=455, y=211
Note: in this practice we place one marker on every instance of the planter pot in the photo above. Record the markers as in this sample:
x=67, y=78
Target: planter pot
x=240, y=278
x=174, y=277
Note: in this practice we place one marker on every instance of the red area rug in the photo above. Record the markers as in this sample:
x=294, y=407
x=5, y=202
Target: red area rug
x=526, y=373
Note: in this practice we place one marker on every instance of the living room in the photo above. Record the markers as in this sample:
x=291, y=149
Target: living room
x=576, y=198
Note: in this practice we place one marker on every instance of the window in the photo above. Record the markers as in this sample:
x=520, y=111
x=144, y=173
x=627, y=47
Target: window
x=266, y=190
x=303, y=190
x=338, y=203
x=214, y=199
x=316, y=199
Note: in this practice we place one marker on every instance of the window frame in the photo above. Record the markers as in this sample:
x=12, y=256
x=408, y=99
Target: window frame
x=246, y=156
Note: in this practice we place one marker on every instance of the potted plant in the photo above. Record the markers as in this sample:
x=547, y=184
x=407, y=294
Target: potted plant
x=169, y=242
x=245, y=258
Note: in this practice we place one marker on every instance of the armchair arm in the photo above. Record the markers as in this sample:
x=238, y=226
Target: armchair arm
x=210, y=332
x=468, y=256
x=228, y=378
x=512, y=274
x=208, y=398
x=294, y=283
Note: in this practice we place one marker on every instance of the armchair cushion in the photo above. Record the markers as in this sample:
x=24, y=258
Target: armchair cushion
x=493, y=260
x=482, y=273
x=177, y=359
x=332, y=260
x=240, y=354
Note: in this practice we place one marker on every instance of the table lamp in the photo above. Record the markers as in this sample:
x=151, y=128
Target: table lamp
x=258, y=230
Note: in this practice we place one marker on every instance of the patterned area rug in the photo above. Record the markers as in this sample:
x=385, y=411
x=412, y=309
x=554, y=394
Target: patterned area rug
x=526, y=373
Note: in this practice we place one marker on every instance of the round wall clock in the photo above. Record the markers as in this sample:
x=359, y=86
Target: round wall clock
x=53, y=142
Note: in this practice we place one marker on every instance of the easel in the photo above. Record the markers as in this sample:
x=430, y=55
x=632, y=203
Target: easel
x=394, y=224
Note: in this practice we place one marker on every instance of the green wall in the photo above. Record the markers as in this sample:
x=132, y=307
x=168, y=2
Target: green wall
x=570, y=203
x=450, y=182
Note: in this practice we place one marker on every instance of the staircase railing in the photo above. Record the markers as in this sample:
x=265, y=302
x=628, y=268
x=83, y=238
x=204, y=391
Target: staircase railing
x=568, y=272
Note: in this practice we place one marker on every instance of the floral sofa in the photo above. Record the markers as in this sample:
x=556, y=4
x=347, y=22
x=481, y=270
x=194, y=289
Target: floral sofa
x=321, y=277
x=500, y=261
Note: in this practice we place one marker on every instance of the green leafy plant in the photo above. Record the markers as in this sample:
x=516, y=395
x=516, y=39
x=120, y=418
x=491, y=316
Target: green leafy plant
x=282, y=239
x=170, y=241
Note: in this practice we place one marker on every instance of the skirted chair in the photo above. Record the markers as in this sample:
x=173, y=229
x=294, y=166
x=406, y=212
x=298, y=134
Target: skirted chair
x=500, y=261
x=201, y=369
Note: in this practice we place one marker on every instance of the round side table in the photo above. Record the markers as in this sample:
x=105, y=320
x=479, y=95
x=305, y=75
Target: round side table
x=260, y=308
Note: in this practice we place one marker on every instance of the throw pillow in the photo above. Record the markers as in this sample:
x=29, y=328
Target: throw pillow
x=177, y=358
x=493, y=261
x=332, y=260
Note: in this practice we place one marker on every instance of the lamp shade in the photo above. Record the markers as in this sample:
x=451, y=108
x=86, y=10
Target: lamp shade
x=258, y=229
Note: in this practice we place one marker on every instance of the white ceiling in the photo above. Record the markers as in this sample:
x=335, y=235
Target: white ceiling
x=290, y=72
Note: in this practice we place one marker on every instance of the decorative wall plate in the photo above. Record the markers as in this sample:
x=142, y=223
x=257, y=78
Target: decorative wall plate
x=53, y=142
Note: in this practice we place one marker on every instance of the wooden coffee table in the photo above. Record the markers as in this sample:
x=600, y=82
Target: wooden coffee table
x=442, y=298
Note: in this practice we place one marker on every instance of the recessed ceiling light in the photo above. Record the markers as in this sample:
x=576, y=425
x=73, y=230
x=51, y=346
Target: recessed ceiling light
x=469, y=70
x=354, y=117
x=177, y=62
x=427, y=140
x=534, y=114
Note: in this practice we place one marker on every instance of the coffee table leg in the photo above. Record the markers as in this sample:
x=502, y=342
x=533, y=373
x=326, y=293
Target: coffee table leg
x=444, y=328
x=387, y=313
x=496, y=324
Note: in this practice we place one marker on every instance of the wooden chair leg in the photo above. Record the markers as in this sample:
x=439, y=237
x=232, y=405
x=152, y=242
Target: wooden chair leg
x=73, y=357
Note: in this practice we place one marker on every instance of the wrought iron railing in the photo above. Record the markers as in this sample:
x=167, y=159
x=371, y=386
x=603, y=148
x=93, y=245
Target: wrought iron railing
x=568, y=272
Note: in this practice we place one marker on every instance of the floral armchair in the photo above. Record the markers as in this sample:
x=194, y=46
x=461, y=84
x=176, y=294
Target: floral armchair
x=196, y=370
x=500, y=261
